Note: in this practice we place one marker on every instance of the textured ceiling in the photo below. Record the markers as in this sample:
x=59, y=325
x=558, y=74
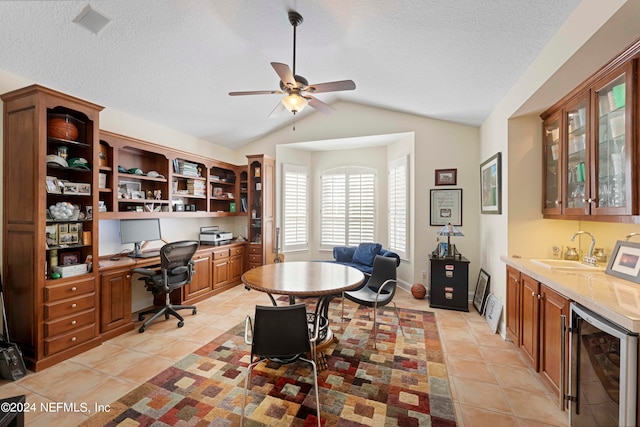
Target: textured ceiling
x=173, y=62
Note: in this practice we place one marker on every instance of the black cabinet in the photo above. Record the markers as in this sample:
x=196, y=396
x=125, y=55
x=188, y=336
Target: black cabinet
x=449, y=283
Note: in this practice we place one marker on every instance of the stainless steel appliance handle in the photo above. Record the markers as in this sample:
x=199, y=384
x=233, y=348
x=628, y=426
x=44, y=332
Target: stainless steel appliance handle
x=563, y=360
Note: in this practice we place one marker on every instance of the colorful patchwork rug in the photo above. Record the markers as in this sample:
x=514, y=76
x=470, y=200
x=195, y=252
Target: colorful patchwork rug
x=401, y=383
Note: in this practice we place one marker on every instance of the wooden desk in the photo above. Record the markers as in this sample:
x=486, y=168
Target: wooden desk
x=218, y=267
x=324, y=280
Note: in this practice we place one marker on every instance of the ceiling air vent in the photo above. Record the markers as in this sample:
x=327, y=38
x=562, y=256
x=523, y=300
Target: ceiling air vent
x=91, y=20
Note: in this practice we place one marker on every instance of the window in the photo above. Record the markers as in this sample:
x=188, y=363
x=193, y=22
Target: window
x=295, y=207
x=347, y=206
x=398, y=206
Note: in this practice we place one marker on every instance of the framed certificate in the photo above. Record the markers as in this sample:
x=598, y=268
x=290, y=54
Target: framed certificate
x=446, y=207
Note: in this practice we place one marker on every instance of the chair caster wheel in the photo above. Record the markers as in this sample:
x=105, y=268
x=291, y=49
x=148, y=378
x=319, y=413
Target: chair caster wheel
x=140, y=318
x=142, y=329
x=180, y=324
x=194, y=311
x=166, y=316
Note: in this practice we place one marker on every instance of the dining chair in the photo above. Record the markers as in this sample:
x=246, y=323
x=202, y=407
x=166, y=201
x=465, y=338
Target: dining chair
x=379, y=290
x=280, y=334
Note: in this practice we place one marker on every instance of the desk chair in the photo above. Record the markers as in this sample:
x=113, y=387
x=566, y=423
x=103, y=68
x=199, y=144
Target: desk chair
x=281, y=334
x=176, y=270
x=379, y=290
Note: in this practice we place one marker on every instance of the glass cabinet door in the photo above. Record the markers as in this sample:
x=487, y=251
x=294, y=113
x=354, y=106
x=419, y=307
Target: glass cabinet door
x=612, y=145
x=552, y=161
x=576, y=166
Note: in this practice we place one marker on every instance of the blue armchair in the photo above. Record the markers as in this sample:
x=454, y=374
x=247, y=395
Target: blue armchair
x=362, y=256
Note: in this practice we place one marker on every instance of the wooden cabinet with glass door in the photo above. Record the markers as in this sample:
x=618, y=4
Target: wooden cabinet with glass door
x=552, y=176
x=261, y=200
x=576, y=165
x=598, y=146
x=613, y=175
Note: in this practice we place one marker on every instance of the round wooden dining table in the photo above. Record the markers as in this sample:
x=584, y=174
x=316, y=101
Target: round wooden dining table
x=323, y=280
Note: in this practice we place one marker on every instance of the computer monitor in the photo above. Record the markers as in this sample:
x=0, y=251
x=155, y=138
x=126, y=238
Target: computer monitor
x=137, y=231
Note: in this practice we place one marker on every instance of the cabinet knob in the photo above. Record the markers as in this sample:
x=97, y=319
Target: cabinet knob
x=74, y=305
x=533, y=294
x=73, y=322
x=74, y=339
x=538, y=296
x=128, y=276
x=74, y=289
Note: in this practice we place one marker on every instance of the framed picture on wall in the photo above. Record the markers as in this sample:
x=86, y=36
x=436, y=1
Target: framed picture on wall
x=491, y=185
x=446, y=176
x=446, y=207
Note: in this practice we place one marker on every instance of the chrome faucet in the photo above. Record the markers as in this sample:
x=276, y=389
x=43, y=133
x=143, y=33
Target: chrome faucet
x=588, y=259
x=630, y=235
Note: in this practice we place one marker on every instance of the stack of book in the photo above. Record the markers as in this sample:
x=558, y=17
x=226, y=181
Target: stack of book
x=187, y=168
x=196, y=187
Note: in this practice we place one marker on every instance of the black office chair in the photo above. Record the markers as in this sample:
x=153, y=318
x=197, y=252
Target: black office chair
x=379, y=291
x=280, y=334
x=176, y=270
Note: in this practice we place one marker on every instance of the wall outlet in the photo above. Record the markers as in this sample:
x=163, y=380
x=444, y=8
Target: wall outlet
x=424, y=274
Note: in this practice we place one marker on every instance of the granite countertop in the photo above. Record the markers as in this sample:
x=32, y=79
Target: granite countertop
x=612, y=298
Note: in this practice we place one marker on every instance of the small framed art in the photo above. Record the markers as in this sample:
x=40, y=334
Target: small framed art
x=52, y=185
x=446, y=176
x=492, y=312
x=482, y=291
x=625, y=261
x=69, y=258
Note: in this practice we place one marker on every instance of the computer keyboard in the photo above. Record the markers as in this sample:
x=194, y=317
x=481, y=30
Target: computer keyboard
x=149, y=254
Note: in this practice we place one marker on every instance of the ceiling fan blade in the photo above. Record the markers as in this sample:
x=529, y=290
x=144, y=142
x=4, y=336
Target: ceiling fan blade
x=256, y=92
x=285, y=74
x=319, y=105
x=332, y=86
x=277, y=111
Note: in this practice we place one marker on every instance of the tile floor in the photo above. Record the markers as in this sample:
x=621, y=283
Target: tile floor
x=490, y=383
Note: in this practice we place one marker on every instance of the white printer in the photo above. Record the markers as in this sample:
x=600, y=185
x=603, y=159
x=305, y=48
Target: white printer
x=213, y=236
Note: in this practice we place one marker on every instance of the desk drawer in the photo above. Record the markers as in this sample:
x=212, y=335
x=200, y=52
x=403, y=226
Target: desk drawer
x=68, y=290
x=255, y=249
x=255, y=259
x=236, y=250
x=69, y=306
x=78, y=336
x=56, y=327
x=220, y=254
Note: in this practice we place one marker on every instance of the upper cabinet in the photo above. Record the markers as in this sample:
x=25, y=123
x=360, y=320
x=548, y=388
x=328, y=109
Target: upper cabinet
x=590, y=144
x=140, y=179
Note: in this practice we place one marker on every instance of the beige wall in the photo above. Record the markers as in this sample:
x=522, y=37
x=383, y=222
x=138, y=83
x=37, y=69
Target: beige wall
x=591, y=36
x=437, y=145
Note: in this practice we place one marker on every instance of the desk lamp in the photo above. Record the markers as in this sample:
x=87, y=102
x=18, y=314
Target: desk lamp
x=449, y=230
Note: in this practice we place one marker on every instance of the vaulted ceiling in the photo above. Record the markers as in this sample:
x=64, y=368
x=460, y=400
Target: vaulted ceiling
x=173, y=62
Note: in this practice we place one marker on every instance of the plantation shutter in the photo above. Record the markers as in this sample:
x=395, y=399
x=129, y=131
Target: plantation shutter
x=347, y=207
x=295, y=210
x=333, y=214
x=398, y=206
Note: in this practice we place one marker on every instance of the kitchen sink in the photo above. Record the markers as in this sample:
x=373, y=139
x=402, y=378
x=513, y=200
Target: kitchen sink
x=564, y=264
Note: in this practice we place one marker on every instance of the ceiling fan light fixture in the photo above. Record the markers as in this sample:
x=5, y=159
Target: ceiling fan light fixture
x=294, y=103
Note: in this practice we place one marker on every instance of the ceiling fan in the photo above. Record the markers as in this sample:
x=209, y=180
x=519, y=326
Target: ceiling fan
x=296, y=87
